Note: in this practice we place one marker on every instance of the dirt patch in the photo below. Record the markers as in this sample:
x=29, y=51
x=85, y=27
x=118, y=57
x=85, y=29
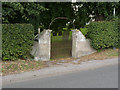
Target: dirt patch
x=104, y=54
x=11, y=67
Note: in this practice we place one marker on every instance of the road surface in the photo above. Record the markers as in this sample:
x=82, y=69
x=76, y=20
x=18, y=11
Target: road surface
x=102, y=77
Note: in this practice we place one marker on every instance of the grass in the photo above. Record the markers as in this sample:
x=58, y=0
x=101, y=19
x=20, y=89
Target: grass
x=112, y=52
x=56, y=38
x=59, y=38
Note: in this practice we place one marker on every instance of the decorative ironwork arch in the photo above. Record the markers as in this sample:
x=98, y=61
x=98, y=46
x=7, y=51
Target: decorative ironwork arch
x=61, y=18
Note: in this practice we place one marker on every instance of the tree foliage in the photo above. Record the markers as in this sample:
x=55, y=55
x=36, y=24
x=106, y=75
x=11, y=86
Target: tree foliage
x=42, y=13
x=99, y=10
x=57, y=10
x=102, y=10
x=22, y=12
x=19, y=12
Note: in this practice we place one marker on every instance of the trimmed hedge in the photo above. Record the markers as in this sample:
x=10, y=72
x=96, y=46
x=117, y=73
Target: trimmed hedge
x=17, y=40
x=103, y=34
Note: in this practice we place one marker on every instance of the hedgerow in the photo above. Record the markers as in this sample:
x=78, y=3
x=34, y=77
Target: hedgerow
x=17, y=40
x=103, y=34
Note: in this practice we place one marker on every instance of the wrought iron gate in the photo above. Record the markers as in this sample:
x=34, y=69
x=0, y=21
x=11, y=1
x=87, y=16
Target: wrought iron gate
x=61, y=42
x=61, y=45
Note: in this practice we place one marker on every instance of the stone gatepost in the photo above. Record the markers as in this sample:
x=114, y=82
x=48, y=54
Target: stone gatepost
x=41, y=49
x=80, y=45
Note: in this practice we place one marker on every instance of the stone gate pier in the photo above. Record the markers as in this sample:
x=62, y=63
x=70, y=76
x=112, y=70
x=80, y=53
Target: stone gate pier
x=80, y=45
x=41, y=49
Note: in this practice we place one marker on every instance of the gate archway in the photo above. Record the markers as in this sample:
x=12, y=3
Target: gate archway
x=61, y=42
x=74, y=46
x=61, y=18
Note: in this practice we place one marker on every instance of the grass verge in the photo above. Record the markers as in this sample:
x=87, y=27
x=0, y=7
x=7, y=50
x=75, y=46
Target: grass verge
x=101, y=55
x=11, y=67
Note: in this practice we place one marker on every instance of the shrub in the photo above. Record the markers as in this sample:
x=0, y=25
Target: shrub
x=17, y=40
x=119, y=32
x=103, y=34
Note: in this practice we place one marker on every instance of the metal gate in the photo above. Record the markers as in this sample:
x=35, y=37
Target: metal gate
x=61, y=42
x=61, y=45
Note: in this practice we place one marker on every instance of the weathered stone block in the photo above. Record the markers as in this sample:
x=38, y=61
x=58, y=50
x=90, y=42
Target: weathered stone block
x=80, y=45
x=41, y=49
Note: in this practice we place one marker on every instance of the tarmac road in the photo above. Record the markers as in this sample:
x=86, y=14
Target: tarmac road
x=102, y=77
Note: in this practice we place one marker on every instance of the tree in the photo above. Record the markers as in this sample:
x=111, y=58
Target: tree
x=55, y=10
x=21, y=12
x=98, y=10
x=37, y=13
x=101, y=10
x=40, y=14
x=81, y=14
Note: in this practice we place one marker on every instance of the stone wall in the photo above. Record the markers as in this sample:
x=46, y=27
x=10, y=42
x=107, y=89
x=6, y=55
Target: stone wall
x=80, y=45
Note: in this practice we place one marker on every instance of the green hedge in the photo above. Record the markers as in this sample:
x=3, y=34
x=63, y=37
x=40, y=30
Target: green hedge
x=17, y=40
x=103, y=34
